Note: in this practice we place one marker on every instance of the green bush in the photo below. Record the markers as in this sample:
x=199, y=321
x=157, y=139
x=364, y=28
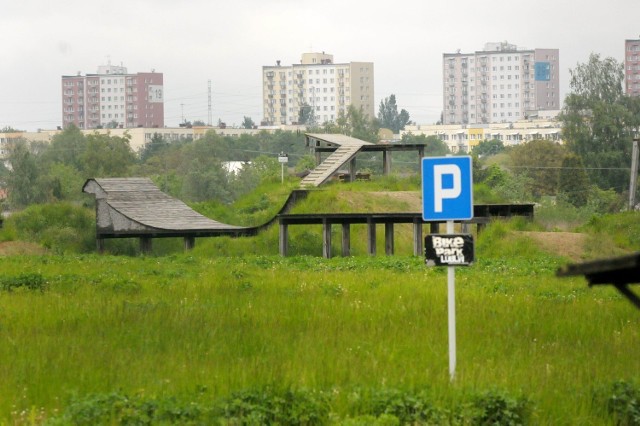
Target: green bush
x=60, y=227
x=499, y=408
x=115, y=408
x=269, y=406
x=405, y=406
x=623, y=402
x=29, y=281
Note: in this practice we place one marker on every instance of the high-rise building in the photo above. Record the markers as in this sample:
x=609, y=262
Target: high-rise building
x=632, y=67
x=113, y=98
x=499, y=84
x=316, y=88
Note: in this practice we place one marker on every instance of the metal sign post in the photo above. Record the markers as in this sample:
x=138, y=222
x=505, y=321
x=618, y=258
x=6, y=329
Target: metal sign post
x=451, y=308
x=282, y=159
x=447, y=195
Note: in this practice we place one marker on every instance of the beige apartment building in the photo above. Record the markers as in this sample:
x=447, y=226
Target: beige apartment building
x=317, y=88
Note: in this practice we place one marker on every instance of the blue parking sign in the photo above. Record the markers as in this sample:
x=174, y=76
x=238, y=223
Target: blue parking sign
x=447, y=188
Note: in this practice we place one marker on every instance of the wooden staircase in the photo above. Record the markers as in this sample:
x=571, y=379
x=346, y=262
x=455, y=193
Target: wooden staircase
x=331, y=164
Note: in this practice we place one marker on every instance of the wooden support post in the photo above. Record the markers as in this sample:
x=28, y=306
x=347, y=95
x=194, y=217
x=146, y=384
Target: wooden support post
x=145, y=245
x=371, y=237
x=283, y=238
x=318, y=158
x=100, y=245
x=434, y=228
x=417, y=237
x=386, y=163
x=352, y=170
x=465, y=227
x=189, y=243
x=420, y=155
x=346, y=239
x=388, y=238
x=326, y=239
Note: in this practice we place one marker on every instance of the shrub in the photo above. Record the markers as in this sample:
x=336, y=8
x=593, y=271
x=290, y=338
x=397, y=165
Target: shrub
x=269, y=406
x=623, y=402
x=116, y=408
x=61, y=227
x=27, y=280
x=387, y=406
x=499, y=408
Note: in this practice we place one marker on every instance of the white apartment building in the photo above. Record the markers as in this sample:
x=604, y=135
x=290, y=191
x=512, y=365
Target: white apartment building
x=318, y=85
x=499, y=84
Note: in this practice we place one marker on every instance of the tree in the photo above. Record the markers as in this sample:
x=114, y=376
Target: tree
x=22, y=181
x=355, y=123
x=67, y=148
x=598, y=121
x=306, y=115
x=204, y=176
x=153, y=147
x=107, y=156
x=573, y=182
x=389, y=117
x=9, y=129
x=433, y=145
x=248, y=123
x=488, y=147
x=539, y=160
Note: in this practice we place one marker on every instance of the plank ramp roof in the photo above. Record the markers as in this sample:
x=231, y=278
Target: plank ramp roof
x=136, y=206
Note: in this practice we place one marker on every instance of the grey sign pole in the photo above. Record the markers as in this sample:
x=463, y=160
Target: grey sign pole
x=451, y=302
x=633, y=183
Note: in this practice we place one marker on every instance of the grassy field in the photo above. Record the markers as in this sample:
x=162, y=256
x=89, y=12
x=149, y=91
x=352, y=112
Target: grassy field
x=199, y=328
x=230, y=333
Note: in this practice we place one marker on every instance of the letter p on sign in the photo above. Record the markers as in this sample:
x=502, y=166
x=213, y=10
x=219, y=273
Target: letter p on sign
x=439, y=191
x=447, y=188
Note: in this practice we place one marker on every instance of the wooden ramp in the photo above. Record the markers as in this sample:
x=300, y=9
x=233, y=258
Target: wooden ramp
x=136, y=208
x=348, y=147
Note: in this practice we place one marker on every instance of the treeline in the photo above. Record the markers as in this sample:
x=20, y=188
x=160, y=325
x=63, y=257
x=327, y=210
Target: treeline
x=190, y=170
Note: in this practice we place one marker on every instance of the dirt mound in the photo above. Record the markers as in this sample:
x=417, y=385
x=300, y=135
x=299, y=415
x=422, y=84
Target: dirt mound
x=10, y=248
x=568, y=244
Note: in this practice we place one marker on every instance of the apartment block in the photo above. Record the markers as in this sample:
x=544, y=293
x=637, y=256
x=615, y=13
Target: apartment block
x=317, y=87
x=499, y=84
x=632, y=67
x=113, y=98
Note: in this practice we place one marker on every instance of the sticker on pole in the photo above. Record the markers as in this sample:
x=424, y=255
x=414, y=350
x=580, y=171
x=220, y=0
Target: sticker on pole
x=447, y=188
x=448, y=249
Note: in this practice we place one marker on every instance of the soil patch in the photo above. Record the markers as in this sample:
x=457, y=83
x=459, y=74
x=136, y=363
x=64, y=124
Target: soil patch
x=11, y=248
x=567, y=244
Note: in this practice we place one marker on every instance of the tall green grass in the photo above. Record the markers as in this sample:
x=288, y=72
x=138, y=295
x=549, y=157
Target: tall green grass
x=163, y=327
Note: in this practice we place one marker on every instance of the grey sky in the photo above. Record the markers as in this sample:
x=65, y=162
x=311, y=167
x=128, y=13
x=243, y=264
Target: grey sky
x=228, y=42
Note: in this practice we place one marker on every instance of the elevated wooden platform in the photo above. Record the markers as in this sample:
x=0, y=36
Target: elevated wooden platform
x=344, y=150
x=482, y=214
x=136, y=208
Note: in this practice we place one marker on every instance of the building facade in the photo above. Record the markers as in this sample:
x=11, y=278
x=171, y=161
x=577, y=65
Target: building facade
x=632, y=67
x=113, y=98
x=499, y=84
x=317, y=89
x=462, y=138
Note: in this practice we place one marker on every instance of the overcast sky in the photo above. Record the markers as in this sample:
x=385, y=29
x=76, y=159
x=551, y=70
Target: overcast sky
x=228, y=42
